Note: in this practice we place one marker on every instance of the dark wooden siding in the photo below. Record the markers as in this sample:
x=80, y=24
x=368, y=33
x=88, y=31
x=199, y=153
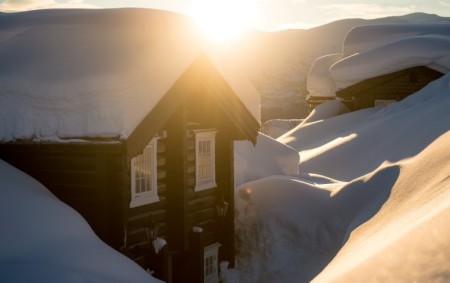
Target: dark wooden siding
x=143, y=219
x=86, y=177
x=394, y=86
x=201, y=206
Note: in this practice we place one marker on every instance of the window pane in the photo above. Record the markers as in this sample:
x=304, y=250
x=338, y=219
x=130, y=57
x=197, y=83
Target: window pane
x=143, y=171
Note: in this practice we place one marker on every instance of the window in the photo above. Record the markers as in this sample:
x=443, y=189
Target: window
x=210, y=263
x=143, y=176
x=205, y=168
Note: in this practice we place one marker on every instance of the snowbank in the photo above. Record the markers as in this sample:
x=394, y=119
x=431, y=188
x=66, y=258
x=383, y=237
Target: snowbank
x=44, y=240
x=277, y=127
x=372, y=187
x=407, y=240
x=268, y=157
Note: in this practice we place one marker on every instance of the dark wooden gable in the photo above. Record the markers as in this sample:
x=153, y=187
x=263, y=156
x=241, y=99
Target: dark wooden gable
x=393, y=86
x=201, y=73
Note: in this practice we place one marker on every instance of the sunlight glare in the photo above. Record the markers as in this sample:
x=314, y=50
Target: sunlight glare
x=222, y=20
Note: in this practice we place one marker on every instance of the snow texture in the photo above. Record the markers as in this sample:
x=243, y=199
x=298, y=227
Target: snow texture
x=319, y=82
x=44, y=240
x=375, y=50
x=251, y=161
x=68, y=74
x=277, y=127
x=158, y=244
x=423, y=50
x=370, y=202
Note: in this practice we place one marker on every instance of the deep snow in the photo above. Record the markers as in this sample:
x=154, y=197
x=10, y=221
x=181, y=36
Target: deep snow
x=44, y=240
x=372, y=187
x=361, y=196
x=375, y=50
x=97, y=73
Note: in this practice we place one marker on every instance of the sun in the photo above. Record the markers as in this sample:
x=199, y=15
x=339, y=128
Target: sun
x=222, y=20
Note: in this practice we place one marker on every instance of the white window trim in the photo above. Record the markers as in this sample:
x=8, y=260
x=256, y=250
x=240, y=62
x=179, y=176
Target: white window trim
x=205, y=136
x=151, y=196
x=212, y=250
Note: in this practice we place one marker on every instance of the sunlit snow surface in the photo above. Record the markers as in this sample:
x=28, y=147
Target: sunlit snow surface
x=370, y=203
x=71, y=74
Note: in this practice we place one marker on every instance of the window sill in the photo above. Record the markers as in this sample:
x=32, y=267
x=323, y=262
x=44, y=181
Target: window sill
x=205, y=186
x=143, y=200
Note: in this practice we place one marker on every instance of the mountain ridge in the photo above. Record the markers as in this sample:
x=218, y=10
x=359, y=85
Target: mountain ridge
x=278, y=62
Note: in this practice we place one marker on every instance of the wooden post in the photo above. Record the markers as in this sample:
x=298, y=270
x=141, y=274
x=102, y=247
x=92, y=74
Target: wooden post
x=196, y=257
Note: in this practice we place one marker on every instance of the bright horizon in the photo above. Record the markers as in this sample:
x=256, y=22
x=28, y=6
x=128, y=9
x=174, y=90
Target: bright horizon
x=267, y=15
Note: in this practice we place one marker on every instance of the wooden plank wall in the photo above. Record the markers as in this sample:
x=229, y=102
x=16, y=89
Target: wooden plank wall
x=143, y=219
x=86, y=177
x=201, y=206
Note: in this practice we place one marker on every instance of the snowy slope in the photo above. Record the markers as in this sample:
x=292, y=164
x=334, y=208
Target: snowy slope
x=371, y=185
x=250, y=161
x=44, y=240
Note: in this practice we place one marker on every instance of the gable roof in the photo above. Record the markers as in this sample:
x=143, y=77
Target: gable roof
x=70, y=74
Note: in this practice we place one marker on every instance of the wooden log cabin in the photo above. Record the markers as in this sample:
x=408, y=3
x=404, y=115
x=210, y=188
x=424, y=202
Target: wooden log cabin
x=159, y=187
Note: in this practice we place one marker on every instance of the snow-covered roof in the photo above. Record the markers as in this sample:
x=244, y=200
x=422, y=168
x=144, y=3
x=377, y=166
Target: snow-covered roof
x=375, y=50
x=93, y=73
x=362, y=38
x=430, y=50
x=319, y=82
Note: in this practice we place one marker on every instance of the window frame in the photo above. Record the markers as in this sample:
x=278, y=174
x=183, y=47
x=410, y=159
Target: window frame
x=211, y=251
x=151, y=196
x=205, y=136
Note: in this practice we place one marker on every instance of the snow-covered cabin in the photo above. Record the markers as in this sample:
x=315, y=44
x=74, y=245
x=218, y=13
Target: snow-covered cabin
x=381, y=64
x=125, y=116
x=386, y=89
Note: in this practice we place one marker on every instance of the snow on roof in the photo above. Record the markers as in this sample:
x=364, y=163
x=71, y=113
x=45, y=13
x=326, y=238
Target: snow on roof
x=362, y=38
x=319, y=82
x=91, y=73
x=44, y=240
x=375, y=50
x=423, y=50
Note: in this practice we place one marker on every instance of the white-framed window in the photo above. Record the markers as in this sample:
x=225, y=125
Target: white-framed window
x=205, y=160
x=144, y=176
x=210, y=263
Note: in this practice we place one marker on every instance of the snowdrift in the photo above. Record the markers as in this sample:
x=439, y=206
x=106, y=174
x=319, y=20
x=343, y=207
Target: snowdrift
x=371, y=188
x=268, y=157
x=44, y=240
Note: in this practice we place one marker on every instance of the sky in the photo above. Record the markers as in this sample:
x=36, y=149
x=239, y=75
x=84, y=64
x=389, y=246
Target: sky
x=266, y=15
